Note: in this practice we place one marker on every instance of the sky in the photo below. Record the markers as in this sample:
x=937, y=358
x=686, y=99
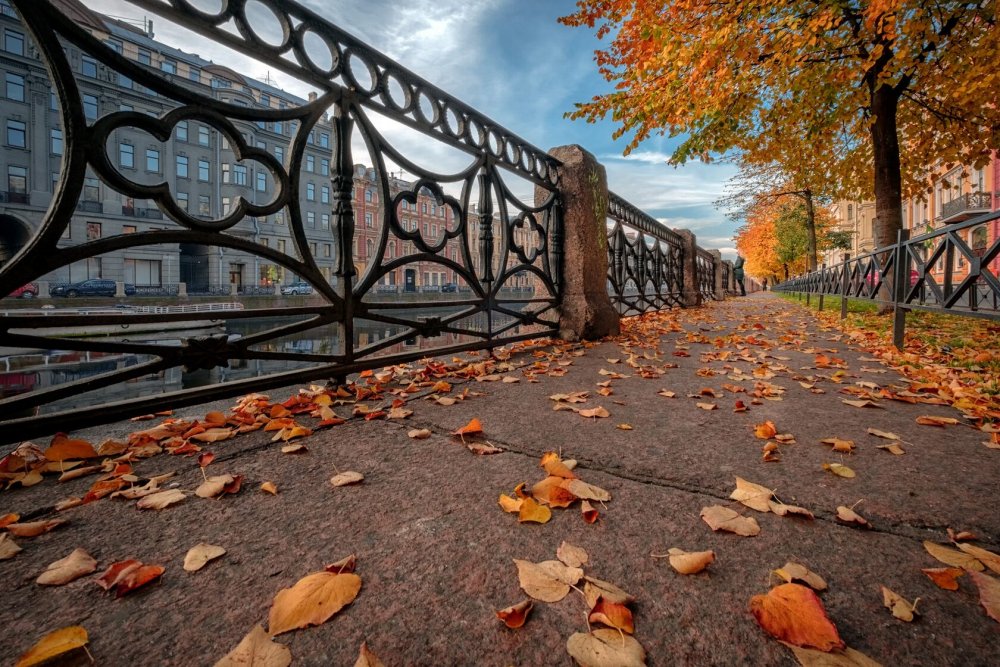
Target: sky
x=512, y=61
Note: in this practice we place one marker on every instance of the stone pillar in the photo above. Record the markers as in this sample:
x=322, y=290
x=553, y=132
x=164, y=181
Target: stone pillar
x=586, y=311
x=119, y=289
x=43, y=289
x=182, y=290
x=720, y=289
x=690, y=296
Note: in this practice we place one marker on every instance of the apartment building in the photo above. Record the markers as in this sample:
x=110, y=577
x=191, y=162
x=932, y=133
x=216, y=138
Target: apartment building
x=857, y=218
x=203, y=171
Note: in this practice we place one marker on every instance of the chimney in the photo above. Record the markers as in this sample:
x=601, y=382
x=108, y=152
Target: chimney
x=312, y=95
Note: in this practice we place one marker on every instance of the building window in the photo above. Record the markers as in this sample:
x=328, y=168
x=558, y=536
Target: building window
x=311, y=220
x=13, y=42
x=182, y=130
x=203, y=170
x=145, y=272
x=368, y=197
x=278, y=127
x=169, y=66
x=194, y=73
x=239, y=174
x=261, y=181
x=324, y=194
x=182, y=166
x=182, y=200
x=91, y=189
x=225, y=172
x=203, y=136
x=281, y=245
x=265, y=99
x=17, y=179
x=324, y=221
x=310, y=192
x=88, y=67
x=204, y=205
x=279, y=153
x=128, y=229
x=126, y=155
x=324, y=140
x=93, y=231
x=56, y=141
x=369, y=221
x=327, y=249
x=144, y=57
x=90, y=107
x=324, y=167
x=15, y=87
x=227, y=205
x=153, y=160
x=310, y=162
x=15, y=134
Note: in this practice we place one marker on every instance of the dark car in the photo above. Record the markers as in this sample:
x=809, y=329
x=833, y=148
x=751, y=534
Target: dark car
x=28, y=291
x=92, y=287
x=297, y=288
x=449, y=287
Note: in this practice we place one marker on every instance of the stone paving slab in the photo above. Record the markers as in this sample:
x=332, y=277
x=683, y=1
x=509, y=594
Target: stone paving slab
x=435, y=551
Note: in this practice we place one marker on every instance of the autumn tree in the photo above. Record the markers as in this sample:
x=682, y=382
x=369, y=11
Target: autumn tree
x=852, y=77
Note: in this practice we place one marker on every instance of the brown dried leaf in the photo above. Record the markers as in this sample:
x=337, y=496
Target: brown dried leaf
x=690, y=562
x=605, y=647
x=792, y=572
x=581, y=489
x=572, y=555
x=213, y=486
x=839, y=470
x=312, y=601
x=936, y=421
x=883, y=434
x=419, y=433
x=269, y=487
x=8, y=547
x=845, y=657
x=160, y=499
x=953, y=557
x=593, y=589
x=847, y=515
x=899, y=607
x=781, y=509
x=548, y=581
x=723, y=518
x=200, y=554
x=34, y=528
x=346, y=478
x=752, y=495
x=597, y=413
x=67, y=569
x=987, y=558
x=989, y=593
x=257, y=649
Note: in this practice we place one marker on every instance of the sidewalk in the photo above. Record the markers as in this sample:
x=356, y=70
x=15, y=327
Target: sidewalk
x=435, y=551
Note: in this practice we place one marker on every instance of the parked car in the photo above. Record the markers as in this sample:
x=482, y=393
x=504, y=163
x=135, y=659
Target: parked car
x=28, y=291
x=297, y=288
x=92, y=287
x=449, y=287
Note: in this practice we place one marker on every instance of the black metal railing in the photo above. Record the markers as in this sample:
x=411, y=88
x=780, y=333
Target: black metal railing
x=705, y=271
x=644, y=260
x=938, y=271
x=969, y=204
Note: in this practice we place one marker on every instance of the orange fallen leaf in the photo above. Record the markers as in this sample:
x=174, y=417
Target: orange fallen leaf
x=34, y=528
x=553, y=466
x=794, y=614
x=765, y=431
x=531, y=511
x=989, y=593
x=595, y=413
x=723, y=518
x=128, y=575
x=548, y=581
x=474, y=426
x=313, y=600
x=936, y=421
x=366, y=658
x=612, y=614
x=257, y=649
x=516, y=615
x=740, y=406
x=269, y=487
x=589, y=513
x=944, y=577
x=64, y=448
x=8, y=519
x=215, y=419
x=510, y=505
x=54, y=644
x=551, y=492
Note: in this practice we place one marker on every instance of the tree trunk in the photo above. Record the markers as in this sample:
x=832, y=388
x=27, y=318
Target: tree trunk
x=888, y=180
x=810, y=230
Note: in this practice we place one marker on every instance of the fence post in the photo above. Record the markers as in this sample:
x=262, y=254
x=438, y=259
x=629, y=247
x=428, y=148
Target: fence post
x=690, y=294
x=586, y=311
x=182, y=290
x=720, y=288
x=899, y=290
x=822, y=285
x=844, y=283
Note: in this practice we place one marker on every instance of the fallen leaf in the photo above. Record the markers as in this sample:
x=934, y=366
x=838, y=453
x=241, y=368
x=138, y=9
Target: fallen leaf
x=690, y=562
x=553, y=466
x=346, y=478
x=67, y=569
x=839, y=470
x=269, y=487
x=54, y=644
x=781, y=509
x=605, y=647
x=989, y=594
x=588, y=511
x=482, y=449
x=723, y=518
x=200, y=554
x=937, y=421
x=552, y=492
x=160, y=499
x=987, y=558
x=8, y=547
x=862, y=403
x=612, y=614
x=63, y=449
x=474, y=426
x=510, y=505
x=34, y=528
x=847, y=515
x=740, y=406
x=791, y=572
x=883, y=434
x=516, y=615
x=419, y=433
x=794, y=614
x=752, y=495
x=366, y=658
x=765, y=431
x=893, y=448
x=961, y=535
x=839, y=445
x=531, y=511
x=571, y=555
x=953, y=557
x=8, y=519
x=596, y=413
x=944, y=577
x=586, y=491
x=624, y=427
x=594, y=589
x=213, y=486
x=257, y=649
x=899, y=607
x=213, y=435
x=845, y=657
x=128, y=575
x=312, y=601
x=346, y=564
x=297, y=448
x=548, y=581
x=666, y=394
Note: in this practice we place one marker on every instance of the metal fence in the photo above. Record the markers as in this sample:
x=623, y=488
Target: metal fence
x=351, y=328
x=952, y=269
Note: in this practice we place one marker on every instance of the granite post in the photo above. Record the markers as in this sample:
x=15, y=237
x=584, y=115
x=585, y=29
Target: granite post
x=690, y=294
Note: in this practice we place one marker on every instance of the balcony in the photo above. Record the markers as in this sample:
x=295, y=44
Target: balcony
x=965, y=206
x=13, y=197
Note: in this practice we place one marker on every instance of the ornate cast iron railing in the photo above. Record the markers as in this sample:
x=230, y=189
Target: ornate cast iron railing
x=496, y=238
x=644, y=260
x=944, y=270
x=705, y=266
x=970, y=203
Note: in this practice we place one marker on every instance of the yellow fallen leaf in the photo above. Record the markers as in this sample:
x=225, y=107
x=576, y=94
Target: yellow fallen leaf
x=67, y=569
x=752, y=495
x=548, y=581
x=572, y=555
x=605, y=647
x=954, y=557
x=893, y=448
x=365, y=658
x=346, y=478
x=847, y=515
x=269, y=487
x=883, y=434
x=54, y=644
x=597, y=412
x=624, y=427
x=690, y=562
x=987, y=558
x=899, y=607
x=792, y=572
x=531, y=511
x=312, y=601
x=200, y=554
x=511, y=505
x=839, y=470
x=160, y=499
x=723, y=518
x=257, y=649
x=419, y=433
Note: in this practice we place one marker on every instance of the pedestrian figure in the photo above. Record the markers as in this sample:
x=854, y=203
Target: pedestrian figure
x=738, y=274
x=765, y=284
